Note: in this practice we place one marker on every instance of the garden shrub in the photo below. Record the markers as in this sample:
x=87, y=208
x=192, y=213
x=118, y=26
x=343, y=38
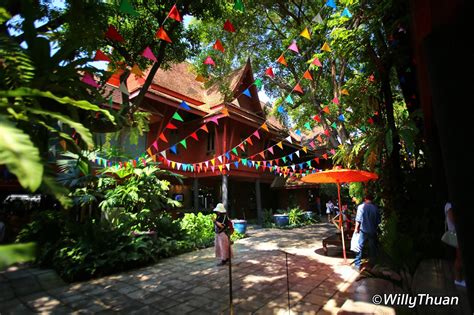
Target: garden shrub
x=199, y=228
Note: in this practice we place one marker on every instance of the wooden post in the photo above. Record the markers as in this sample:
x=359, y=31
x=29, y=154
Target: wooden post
x=225, y=187
x=196, y=194
x=259, y=202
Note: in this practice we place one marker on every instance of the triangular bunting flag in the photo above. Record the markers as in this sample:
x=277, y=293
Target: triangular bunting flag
x=225, y=112
x=220, y=158
x=269, y=72
x=204, y=127
x=215, y=120
x=184, y=105
x=227, y=166
x=325, y=156
x=335, y=100
x=209, y=61
x=281, y=110
x=326, y=47
x=207, y=163
x=137, y=71
x=316, y=62
x=218, y=46
x=234, y=150
x=213, y=161
x=318, y=19
x=298, y=88
x=290, y=156
x=256, y=134
x=326, y=132
x=113, y=34
x=236, y=164
x=171, y=126
x=264, y=127
x=194, y=136
x=249, y=140
x=100, y=56
x=307, y=125
x=349, y=109
x=89, y=80
x=126, y=7
x=177, y=116
x=200, y=78
x=178, y=165
x=173, y=149
x=227, y=155
x=147, y=53
x=305, y=149
x=297, y=153
x=334, y=125
x=282, y=60
x=174, y=14
x=149, y=152
x=246, y=92
x=289, y=139
x=239, y=5
x=262, y=154
x=307, y=75
x=284, y=159
x=317, y=160
x=213, y=168
x=258, y=83
x=317, y=118
x=163, y=138
x=331, y=4
x=123, y=88
x=289, y=100
x=344, y=92
x=346, y=13
x=280, y=144
x=270, y=149
x=305, y=34
x=293, y=47
x=228, y=26
x=341, y=117
x=298, y=132
x=161, y=34
x=326, y=109
x=319, y=139
x=332, y=151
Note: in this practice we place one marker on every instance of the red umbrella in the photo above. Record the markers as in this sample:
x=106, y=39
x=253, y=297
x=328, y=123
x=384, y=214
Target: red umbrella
x=339, y=176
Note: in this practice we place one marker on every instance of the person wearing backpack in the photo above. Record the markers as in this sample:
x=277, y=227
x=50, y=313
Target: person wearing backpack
x=223, y=228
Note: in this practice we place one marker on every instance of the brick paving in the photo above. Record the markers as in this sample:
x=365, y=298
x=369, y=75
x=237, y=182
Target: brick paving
x=192, y=283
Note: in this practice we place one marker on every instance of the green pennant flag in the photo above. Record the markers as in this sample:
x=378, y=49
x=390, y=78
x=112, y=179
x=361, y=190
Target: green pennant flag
x=126, y=7
x=239, y=5
x=363, y=128
x=244, y=162
x=258, y=83
x=289, y=100
x=308, y=126
x=177, y=117
x=257, y=166
x=309, y=163
x=284, y=159
x=307, y=172
x=234, y=150
x=183, y=143
x=334, y=125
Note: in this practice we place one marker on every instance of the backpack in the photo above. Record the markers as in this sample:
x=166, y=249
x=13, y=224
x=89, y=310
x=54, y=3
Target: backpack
x=229, y=227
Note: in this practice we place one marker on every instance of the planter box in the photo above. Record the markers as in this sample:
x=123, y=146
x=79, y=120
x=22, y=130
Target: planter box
x=308, y=215
x=240, y=226
x=281, y=219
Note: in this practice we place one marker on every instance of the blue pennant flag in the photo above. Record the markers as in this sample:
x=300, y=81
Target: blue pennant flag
x=346, y=13
x=173, y=149
x=269, y=164
x=247, y=93
x=298, y=132
x=281, y=110
x=185, y=167
x=185, y=106
x=236, y=164
x=341, y=117
x=289, y=100
x=300, y=165
x=291, y=156
x=331, y=4
x=227, y=155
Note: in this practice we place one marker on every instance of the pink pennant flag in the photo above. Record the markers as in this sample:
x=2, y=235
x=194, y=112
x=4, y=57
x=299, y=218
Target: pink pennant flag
x=256, y=134
x=293, y=47
x=147, y=53
x=312, y=144
x=316, y=62
x=333, y=151
x=335, y=100
x=270, y=149
x=209, y=61
x=155, y=145
x=213, y=168
x=88, y=79
x=215, y=120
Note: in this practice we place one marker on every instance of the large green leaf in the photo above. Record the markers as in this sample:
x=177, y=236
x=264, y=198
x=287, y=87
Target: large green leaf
x=27, y=92
x=83, y=131
x=20, y=155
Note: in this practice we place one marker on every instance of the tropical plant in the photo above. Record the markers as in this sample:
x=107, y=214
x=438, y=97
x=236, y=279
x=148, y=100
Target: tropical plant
x=199, y=228
x=295, y=216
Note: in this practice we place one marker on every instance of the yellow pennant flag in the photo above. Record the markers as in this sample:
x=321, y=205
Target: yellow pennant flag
x=220, y=168
x=213, y=162
x=173, y=164
x=264, y=127
x=305, y=34
x=326, y=47
x=345, y=92
x=149, y=151
x=137, y=71
x=305, y=149
x=280, y=144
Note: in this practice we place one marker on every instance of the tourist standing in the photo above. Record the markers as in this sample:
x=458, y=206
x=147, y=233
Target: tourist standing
x=222, y=240
x=329, y=209
x=367, y=221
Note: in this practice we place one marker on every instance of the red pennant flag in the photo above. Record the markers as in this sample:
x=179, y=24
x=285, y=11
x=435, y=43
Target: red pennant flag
x=204, y=127
x=249, y=141
x=161, y=34
x=317, y=160
x=298, y=88
x=218, y=46
x=194, y=136
x=113, y=34
x=282, y=60
x=307, y=75
x=317, y=118
x=174, y=14
x=326, y=132
x=316, y=62
x=276, y=161
x=163, y=138
x=326, y=109
x=99, y=55
x=372, y=78
x=171, y=126
x=269, y=72
x=325, y=156
x=370, y=120
x=241, y=146
x=229, y=27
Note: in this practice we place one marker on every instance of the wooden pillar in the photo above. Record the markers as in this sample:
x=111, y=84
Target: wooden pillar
x=196, y=194
x=225, y=188
x=258, y=198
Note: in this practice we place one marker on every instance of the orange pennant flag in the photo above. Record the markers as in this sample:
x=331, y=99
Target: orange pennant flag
x=326, y=47
x=264, y=127
x=200, y=78
x=280, y=144
x=162, y=137
x=218, y=46
x=249, y=141
x=149, y=151
x=204, y=127
x=344, y=92
x=298, y=88
x=307, y=75
x=161, y=34
x=282, y=60
x=326, y=109
x=320, y=139
x=262, y=154
x=225, y=112
x=325, y=156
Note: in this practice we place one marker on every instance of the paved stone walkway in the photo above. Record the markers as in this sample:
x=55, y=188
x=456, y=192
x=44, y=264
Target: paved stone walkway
x=192, y=284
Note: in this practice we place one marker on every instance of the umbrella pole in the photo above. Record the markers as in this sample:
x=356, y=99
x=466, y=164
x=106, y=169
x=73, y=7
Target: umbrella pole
x=341, y=225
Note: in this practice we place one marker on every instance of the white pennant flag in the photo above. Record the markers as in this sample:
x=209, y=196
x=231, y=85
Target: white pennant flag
x=293, y=167
x=207, y=164
x=220, y=158
x=298, y=153
x=349, y=109
x=289, y=139
x=318, y=19
x=163, y=154
x=178, y=165
x=228, y=167
x=123, y=88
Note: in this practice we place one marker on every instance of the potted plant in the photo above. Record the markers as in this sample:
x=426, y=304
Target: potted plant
x=240, y=225
x=281, y=218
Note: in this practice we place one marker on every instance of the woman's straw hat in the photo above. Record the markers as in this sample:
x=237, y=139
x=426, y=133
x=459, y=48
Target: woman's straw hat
x=220, y=208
